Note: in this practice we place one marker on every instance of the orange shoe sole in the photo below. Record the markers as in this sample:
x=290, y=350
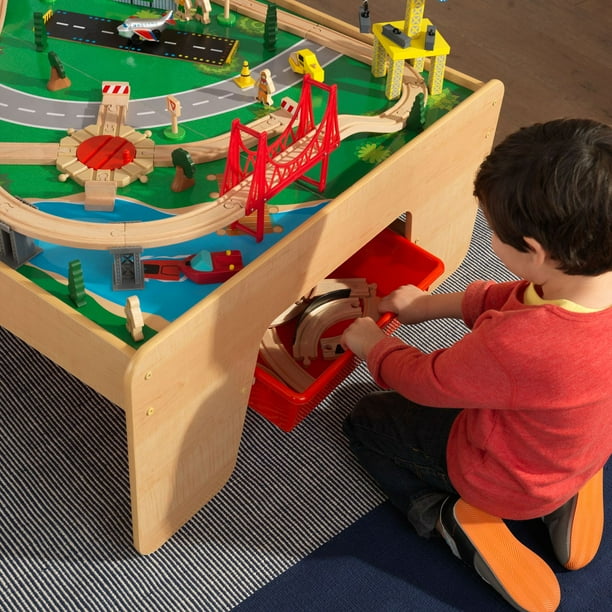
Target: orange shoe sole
x=528, y=581
x=587, y=524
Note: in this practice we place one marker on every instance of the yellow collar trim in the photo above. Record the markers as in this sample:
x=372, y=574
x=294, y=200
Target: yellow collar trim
x=531, y=298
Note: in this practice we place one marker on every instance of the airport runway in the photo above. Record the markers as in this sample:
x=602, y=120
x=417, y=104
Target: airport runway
x=177, y=44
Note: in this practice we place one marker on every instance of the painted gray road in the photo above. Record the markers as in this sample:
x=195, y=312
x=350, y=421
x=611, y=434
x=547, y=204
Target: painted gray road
x=27, y=109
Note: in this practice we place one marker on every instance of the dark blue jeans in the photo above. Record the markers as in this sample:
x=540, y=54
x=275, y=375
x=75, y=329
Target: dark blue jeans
x=402, y=445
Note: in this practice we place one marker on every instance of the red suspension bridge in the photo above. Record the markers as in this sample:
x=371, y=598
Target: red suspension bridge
x=271, y=167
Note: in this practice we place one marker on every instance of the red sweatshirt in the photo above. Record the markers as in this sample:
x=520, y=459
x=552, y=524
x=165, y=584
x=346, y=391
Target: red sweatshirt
x=535, y=383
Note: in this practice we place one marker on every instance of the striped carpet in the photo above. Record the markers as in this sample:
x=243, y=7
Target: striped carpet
x=66, y=536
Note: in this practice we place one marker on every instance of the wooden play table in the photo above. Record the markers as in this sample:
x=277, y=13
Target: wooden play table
x=185, y=391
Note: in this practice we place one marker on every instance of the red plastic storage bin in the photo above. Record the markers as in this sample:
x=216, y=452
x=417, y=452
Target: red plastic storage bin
x=390, y=261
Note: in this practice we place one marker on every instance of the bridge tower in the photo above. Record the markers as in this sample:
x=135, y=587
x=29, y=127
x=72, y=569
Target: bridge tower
x=271, y=167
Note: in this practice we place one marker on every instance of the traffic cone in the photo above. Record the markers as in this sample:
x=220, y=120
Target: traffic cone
x=245, y=79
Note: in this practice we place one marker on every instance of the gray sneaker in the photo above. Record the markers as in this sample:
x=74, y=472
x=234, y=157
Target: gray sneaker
x=577, y=526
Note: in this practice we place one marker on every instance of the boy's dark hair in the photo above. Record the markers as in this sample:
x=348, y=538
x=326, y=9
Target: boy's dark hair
x=553, y=182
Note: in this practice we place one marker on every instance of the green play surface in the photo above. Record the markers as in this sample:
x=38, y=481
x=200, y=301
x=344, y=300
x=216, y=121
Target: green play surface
x=24, y=69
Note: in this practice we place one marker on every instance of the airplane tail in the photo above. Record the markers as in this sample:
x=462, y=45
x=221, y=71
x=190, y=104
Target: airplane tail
x=167, y=16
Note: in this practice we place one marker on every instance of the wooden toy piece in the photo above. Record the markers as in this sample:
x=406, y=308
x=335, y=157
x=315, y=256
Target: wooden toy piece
x=203, y=10
x=282, y=363
x=291, y=312
x=331, y=348
x=3, y=5
x=100, y=195
x=183, y=10
x=370, y=305
x=134, y=321
x=107, y=151
x=265, y=88
x=310, y=329
x=174, y=107
x=357, y=287
x=288, y=105
x=226, y=18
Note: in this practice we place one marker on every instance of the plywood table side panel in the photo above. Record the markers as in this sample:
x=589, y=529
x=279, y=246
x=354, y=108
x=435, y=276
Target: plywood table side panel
x=87, y=351
x=440, y=201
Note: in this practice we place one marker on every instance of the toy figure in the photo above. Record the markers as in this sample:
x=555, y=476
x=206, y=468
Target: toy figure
x=203, y=10
x=265, y=87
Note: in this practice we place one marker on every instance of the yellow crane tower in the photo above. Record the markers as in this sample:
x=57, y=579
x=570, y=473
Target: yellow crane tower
x=412, y=39
x=415, y=10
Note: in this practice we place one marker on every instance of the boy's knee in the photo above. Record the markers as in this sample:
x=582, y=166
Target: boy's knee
x=361, y=414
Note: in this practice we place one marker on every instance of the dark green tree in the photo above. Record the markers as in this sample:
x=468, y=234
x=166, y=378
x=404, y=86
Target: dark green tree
x=184, y=175
x=182, y=159
x=270, y=28
x=76, y=283
x=418, y=114
x=40, y=32
x=57, y=63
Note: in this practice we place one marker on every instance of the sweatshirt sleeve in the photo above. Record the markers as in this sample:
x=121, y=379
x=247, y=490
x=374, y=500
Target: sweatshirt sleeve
x=466, y=375
x=481, y=296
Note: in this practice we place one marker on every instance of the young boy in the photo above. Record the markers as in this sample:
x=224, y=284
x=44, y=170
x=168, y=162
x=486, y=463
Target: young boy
x=514, y=421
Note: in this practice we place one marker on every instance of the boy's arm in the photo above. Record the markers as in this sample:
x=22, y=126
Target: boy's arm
x=412, y=305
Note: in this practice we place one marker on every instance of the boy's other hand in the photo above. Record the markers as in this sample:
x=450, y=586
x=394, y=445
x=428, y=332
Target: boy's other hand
x=361, y=336
x=408, y=302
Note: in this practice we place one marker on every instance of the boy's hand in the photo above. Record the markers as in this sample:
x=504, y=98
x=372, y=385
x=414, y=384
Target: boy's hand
x=409, y=303
x=361, y=336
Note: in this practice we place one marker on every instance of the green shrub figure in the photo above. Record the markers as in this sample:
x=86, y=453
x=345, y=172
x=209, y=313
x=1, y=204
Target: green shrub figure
x=76, y=283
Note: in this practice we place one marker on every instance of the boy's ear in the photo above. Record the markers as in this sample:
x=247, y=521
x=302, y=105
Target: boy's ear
x=539, y=254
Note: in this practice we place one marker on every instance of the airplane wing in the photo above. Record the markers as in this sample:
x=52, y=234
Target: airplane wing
x=146, y=35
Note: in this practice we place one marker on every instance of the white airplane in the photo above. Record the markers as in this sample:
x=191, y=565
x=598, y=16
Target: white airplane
x=145, y=29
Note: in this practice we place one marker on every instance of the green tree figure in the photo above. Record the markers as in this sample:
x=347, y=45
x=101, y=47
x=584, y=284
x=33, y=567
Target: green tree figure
x=418, y=113
x=40, y=32
x=76, y=283
x=270, y=28
x=57, y=63
x=185, y=170
x=58, y=79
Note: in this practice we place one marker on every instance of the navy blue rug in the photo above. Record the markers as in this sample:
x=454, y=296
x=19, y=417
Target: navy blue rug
x=379, y=563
